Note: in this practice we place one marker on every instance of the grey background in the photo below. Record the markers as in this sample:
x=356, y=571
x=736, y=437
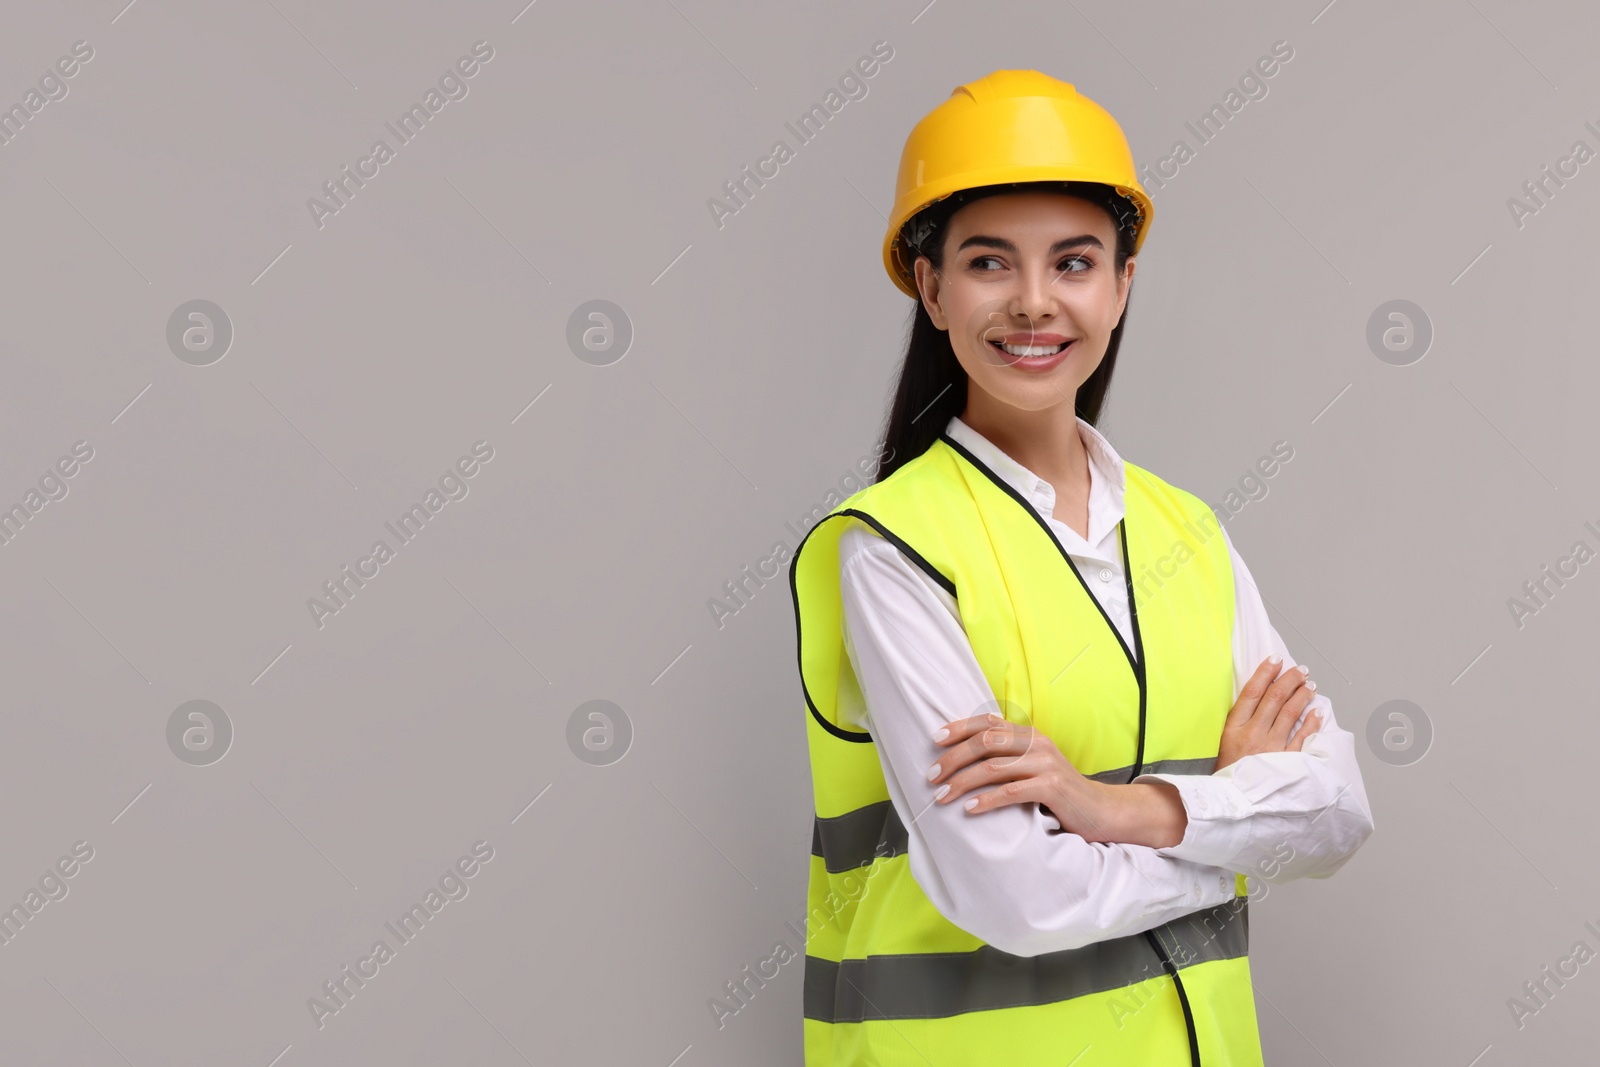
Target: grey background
x=432, y=711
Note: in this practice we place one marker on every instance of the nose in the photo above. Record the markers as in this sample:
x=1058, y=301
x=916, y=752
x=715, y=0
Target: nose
x=1033, y=299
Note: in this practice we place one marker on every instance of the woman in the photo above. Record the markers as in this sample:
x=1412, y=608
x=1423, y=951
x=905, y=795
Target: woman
x=1014, y=617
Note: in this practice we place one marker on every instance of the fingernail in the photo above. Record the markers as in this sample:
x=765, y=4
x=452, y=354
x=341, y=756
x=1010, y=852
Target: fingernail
x=1303, y=669
x=943, y=789
x=933, y=772
x=969, y=805
x=940, y=734
x=1274, y=660
x=1311, y=685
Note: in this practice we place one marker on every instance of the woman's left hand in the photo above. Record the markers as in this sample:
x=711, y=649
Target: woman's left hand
x=1023, y=764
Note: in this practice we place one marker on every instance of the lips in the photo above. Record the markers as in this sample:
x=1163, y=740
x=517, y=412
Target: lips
x=1041, y=352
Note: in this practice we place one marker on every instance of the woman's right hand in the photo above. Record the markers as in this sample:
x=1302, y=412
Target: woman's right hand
x=1265, y=713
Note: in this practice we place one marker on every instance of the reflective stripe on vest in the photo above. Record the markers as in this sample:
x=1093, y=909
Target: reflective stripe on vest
x=848, y=841
x=887, y=976
x=927, y=986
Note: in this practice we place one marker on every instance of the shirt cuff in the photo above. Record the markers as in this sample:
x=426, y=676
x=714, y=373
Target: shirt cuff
x=1218, y=830
x=1217, y=886
x=1208, y=888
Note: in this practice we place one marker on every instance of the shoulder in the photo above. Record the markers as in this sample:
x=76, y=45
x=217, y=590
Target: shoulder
x=877, y=563
x=934, y=464
x=1142, y=480
x=1185, y=516
x=902, y=497
x=897, y=527
x=859, y=540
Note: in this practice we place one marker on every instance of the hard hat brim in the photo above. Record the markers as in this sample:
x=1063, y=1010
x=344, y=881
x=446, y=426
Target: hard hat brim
x=897, y=260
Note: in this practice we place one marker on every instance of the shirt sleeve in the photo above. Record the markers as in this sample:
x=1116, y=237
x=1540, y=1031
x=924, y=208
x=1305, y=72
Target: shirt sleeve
x=1009, y=876
x=1275, y=816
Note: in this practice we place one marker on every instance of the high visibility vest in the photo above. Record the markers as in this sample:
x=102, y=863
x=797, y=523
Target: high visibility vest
x=889, y=981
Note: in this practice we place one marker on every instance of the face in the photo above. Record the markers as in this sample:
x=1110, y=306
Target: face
x=1029, y=295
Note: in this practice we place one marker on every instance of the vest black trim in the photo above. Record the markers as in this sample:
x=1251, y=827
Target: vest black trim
x=858, y=736
x=941, y=984
x=1183, y=997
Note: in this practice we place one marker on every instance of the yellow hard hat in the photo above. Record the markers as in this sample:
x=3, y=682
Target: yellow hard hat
x=1011, y=126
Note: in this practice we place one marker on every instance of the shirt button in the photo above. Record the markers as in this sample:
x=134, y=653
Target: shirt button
x=1105, y=574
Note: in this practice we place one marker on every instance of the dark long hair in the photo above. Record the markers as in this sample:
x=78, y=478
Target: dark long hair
x=932, y=385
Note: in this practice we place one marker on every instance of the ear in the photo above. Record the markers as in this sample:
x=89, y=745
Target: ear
x=1125, y=284
x=927, y=280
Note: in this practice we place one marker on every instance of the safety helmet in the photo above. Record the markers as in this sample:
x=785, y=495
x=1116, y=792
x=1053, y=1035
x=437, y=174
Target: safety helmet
x=1011, y=126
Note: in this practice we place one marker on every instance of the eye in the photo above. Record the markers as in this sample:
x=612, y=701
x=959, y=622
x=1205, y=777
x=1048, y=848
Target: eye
x=1070, y=265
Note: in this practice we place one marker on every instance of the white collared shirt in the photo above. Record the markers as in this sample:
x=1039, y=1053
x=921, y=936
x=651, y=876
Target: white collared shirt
x=1011, y=876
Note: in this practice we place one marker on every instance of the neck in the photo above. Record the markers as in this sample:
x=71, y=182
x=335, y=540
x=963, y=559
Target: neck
x=1047, y=442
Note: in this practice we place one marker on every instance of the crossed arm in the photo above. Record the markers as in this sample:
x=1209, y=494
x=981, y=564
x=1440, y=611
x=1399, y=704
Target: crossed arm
x=1105, y=860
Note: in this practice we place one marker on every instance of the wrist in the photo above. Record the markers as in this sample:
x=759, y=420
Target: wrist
x=1167, y=820
x=1142, y=813
x=1088, y=809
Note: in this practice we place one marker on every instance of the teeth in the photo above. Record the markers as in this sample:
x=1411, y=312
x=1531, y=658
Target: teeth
x=1032, y=350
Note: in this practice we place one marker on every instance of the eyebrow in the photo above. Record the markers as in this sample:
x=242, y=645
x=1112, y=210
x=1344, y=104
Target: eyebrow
x=985, y=241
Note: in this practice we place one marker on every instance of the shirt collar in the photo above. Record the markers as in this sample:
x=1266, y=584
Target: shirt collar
x=1107, y=480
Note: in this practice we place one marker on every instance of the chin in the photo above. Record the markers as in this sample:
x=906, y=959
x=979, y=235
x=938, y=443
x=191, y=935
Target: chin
x=1038, y=393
